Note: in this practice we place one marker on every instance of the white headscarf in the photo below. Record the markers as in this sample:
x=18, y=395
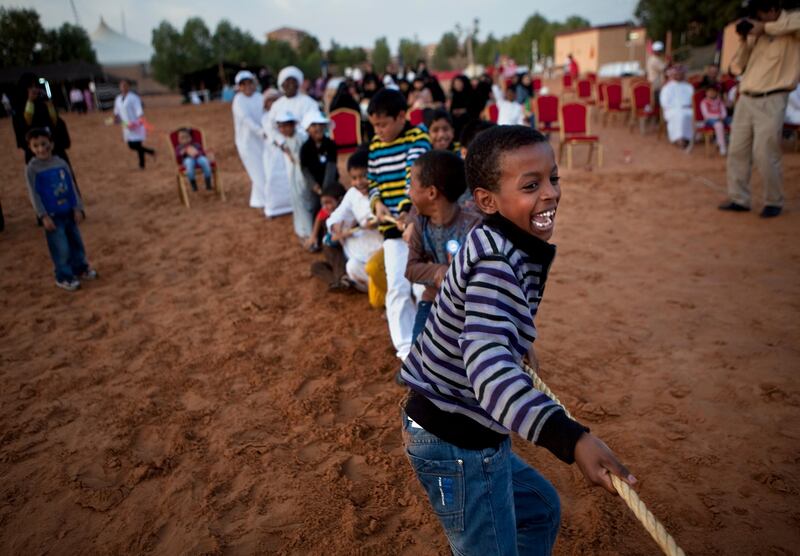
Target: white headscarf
x=290, y=71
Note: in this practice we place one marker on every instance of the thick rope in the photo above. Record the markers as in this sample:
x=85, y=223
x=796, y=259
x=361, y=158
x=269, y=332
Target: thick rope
x=644, y=515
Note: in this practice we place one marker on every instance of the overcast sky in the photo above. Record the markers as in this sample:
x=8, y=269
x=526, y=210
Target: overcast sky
x=350, y=22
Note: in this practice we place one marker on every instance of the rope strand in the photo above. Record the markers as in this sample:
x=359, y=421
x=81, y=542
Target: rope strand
x=639, y=509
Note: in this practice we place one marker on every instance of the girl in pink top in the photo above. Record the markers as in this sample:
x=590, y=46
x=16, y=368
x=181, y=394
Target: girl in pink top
x=715, y=115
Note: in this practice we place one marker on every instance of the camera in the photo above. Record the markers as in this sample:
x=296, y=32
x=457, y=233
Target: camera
x=743, y=28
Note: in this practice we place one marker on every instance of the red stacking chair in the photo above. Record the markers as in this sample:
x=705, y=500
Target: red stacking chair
x=592, y=77
x=181, y=177
x=573, y=119
x=700, y=125
x=612, y=100
x=566, y=83
x=641, y=104
x=584, y=89
x=346, y=130
x=416, y=116
x=546, y=108
x=491, y=113
x=537, y=84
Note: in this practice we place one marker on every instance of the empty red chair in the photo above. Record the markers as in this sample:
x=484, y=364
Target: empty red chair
x=641, y=103
x=546, y=107
x=612, y=100
x=584, y=89
x=181, y=177
x=346, y=129
x=573, y=118
x=416, y=116
x=566, y=82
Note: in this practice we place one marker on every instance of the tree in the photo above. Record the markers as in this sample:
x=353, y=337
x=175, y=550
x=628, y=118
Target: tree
x=345, y=56
x=168, y=59
x=445, y=50
x=196, y=44
x=68, y=43
x=381, y=55
x=486, y=51
x=20, y=33
x=700, y=22
x=410, y=50
x=231, y=44
x=278, y=54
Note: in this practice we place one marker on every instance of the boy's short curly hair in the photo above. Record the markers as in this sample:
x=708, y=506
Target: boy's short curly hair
x=444, y=170
x=387, y=102
x=483, y=159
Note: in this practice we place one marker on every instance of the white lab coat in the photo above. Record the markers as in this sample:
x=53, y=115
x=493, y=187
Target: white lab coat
x=250, y=142
x=277, y=193
x=676, y=103
x=129, y=110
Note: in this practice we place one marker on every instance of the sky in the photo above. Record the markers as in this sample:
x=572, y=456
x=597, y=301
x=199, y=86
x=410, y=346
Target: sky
x=349, y=22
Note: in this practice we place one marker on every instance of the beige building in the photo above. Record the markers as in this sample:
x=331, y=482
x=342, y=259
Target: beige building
x=605, y=44
x=287, y=34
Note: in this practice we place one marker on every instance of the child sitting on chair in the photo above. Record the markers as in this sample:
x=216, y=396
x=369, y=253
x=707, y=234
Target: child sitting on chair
x=716, y=115
x=192, y=155
x=469, y=390
x=439, y=227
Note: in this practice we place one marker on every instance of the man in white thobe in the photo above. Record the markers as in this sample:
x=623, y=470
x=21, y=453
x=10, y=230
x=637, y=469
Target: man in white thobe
x=293, y=100
x=247, y=109
x=676, y=105
x=277, y=193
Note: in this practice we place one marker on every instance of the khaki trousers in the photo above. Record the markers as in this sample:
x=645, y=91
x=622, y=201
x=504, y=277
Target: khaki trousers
x=756, y=137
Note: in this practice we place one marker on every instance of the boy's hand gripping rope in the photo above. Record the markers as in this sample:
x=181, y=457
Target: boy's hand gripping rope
x=644, y=515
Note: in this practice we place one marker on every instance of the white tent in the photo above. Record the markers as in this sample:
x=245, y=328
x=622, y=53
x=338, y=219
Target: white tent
x=115, y=49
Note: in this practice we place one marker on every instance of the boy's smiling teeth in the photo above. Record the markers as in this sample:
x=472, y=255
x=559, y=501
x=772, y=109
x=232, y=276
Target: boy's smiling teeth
x=543, y=220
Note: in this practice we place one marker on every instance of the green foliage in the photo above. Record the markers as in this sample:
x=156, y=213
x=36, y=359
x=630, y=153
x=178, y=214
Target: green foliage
x=231, y=44
x=486, y=50
x=24, y=42
x=446, y=49
x=410, y=50
x=381, y=55
x=278, y=54
x=345, y=56
x=696, y=22
x=169, y=58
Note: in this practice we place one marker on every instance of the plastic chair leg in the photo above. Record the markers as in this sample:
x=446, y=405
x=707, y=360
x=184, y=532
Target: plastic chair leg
x=599, y=155
x=183, y=193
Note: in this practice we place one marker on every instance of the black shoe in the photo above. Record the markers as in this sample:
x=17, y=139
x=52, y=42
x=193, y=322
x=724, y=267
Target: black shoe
x=770, y=211
x=194, y=187
x=733, y=207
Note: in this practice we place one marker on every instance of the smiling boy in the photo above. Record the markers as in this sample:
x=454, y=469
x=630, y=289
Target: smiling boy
x=468, y=390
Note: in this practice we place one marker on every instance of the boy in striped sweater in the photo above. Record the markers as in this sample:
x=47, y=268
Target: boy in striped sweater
x=468, y=390
x=395, y=147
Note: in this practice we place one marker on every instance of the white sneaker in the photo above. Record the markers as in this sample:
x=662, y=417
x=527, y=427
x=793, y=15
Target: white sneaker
x=90, y=274
x=69, y=285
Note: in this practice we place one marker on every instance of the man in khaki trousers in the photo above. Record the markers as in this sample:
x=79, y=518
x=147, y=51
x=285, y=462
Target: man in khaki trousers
x=769, y=61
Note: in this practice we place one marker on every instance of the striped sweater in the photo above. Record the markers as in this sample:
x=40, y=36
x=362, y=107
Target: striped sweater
x=389, y=171
x=468, y=359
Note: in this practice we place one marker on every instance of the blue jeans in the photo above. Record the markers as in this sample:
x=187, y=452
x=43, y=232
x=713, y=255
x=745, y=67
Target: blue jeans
x=66, y=248
x=423, y=310
x=488, y=501
x=191, y=163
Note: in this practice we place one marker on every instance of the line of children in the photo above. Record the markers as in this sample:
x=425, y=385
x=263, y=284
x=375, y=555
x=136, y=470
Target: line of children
x=391, y=153
x=59, y=206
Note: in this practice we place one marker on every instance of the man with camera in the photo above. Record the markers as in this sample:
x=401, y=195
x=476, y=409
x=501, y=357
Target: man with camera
x=768, y=59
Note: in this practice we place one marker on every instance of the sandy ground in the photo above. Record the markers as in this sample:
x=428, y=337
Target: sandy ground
x=207, y=396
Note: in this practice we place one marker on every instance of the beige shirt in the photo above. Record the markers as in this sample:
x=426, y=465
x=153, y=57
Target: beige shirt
x=771, y=61
x=655, y=70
